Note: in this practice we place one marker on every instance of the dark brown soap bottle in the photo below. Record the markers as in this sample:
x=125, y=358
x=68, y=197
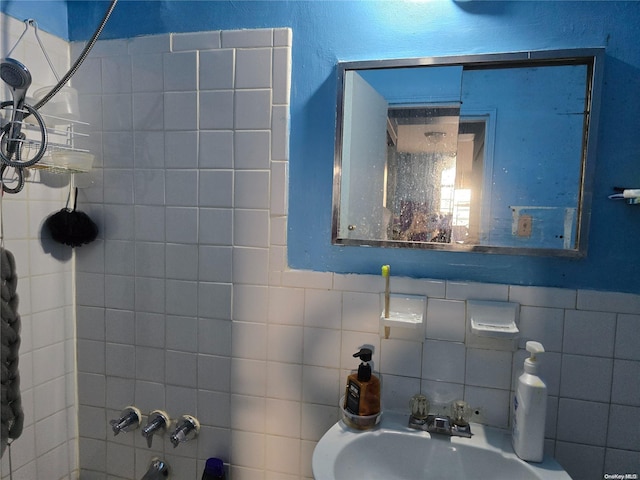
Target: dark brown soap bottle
x=362, y=395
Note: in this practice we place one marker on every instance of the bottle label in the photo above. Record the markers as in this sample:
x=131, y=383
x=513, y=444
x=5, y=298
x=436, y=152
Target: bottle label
x=353, y=398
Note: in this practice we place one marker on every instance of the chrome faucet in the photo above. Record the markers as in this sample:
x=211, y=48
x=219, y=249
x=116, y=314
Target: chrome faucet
x=187, y=428
x=129, y=420
x=456, y=425
x=158, y=422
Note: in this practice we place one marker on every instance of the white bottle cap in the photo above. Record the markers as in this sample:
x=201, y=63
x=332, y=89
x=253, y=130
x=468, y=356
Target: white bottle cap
x=531, y=363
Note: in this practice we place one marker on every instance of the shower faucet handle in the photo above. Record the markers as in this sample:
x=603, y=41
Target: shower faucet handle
x=158, y=421
x=187, y=428
x=129, y=420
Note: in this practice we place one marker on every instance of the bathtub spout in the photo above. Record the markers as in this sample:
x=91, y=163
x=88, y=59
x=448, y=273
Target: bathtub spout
x=158, y=470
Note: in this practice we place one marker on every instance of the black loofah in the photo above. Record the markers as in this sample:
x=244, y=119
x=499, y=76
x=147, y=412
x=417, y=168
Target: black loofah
x=71, y=227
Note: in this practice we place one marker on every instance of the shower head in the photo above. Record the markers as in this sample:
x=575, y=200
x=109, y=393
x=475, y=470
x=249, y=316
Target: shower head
x=15, y=74
x=18, y=78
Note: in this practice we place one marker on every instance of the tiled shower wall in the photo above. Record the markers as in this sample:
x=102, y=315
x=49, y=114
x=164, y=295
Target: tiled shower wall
x=47, y=446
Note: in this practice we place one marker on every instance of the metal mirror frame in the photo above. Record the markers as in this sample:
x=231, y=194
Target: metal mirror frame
x=593, y=58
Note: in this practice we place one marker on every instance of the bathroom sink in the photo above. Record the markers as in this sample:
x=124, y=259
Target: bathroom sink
x=392, y=451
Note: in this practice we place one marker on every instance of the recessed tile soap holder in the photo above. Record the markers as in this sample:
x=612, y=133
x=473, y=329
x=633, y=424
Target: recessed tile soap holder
x=406, y=317
x=492, y=324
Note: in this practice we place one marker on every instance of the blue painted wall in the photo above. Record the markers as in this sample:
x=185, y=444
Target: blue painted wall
x=325, y=32
x=51, y=15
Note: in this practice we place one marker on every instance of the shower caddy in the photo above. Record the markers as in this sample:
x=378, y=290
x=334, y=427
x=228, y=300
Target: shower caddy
x=53, y=148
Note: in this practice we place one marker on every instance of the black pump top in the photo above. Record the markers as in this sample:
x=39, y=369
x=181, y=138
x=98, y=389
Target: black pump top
x=364, y=354
x=364, y=370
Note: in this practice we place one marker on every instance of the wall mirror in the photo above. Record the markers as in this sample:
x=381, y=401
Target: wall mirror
x=490, y=153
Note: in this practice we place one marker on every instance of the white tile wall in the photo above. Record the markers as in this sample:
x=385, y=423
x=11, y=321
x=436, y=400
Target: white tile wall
x=47, y=370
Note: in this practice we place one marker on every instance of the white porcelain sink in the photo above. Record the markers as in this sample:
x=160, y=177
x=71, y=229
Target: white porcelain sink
x=392, y=451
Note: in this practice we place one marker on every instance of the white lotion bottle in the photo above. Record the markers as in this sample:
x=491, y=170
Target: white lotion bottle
x=530, y=409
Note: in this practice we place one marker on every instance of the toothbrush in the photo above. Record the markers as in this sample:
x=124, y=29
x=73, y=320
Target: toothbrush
x=386, y=270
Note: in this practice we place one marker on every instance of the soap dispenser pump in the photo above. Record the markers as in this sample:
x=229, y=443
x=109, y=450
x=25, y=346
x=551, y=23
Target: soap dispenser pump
x=362, y=396
x=530, y=409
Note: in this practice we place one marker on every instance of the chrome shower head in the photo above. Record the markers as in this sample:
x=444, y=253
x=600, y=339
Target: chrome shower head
x=18, y=78
x=15, y=74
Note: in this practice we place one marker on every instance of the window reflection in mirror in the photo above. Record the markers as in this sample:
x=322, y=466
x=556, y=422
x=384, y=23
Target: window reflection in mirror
x=480, y=155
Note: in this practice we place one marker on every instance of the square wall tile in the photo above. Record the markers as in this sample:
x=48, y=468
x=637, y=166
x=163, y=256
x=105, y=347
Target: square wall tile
x=444, y=361
x=544, y=325
x=253, y=109
x=180, y=71
x=361, y=312
x=321, y=385
x=248, y=377
x=181, y=224
x=253, y=68
x=181, y=150
x=322, y=347
x=181, y=369
x=446, y=320
x=323, y=308
x=251, y=149
x=116, y=74
x=586, y=378
x=284, y=343
x=147, y=72
x=216, y=110
x=626, y=383
x=215, y=188
x=214, y=373
x=216, y=149
x=488, y=368
x=215, y=226
x=216, y=69
x=251, y=228
x=250, y=303
x=148, y=111
x=396, y=392
x=181, y=297
x=284, y=380
x=249, y=340
x=182, y=333
x=119, y=257
x=251, y=189
x=214, y=300
x=286, y=305
x=251, y=265
x=399, y=357
x=582, y=422
x=589, y=333
x=180, y=111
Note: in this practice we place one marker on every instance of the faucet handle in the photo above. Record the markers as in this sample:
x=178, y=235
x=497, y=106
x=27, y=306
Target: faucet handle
x=158, y=420
x=129, y=420
x=187, y=428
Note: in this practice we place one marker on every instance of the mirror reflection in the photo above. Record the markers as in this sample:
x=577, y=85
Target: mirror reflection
x=484, y=153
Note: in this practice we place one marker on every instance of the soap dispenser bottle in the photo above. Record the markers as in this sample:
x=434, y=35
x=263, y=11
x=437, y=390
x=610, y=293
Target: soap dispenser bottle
x=530, y=409
x=362, y=396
